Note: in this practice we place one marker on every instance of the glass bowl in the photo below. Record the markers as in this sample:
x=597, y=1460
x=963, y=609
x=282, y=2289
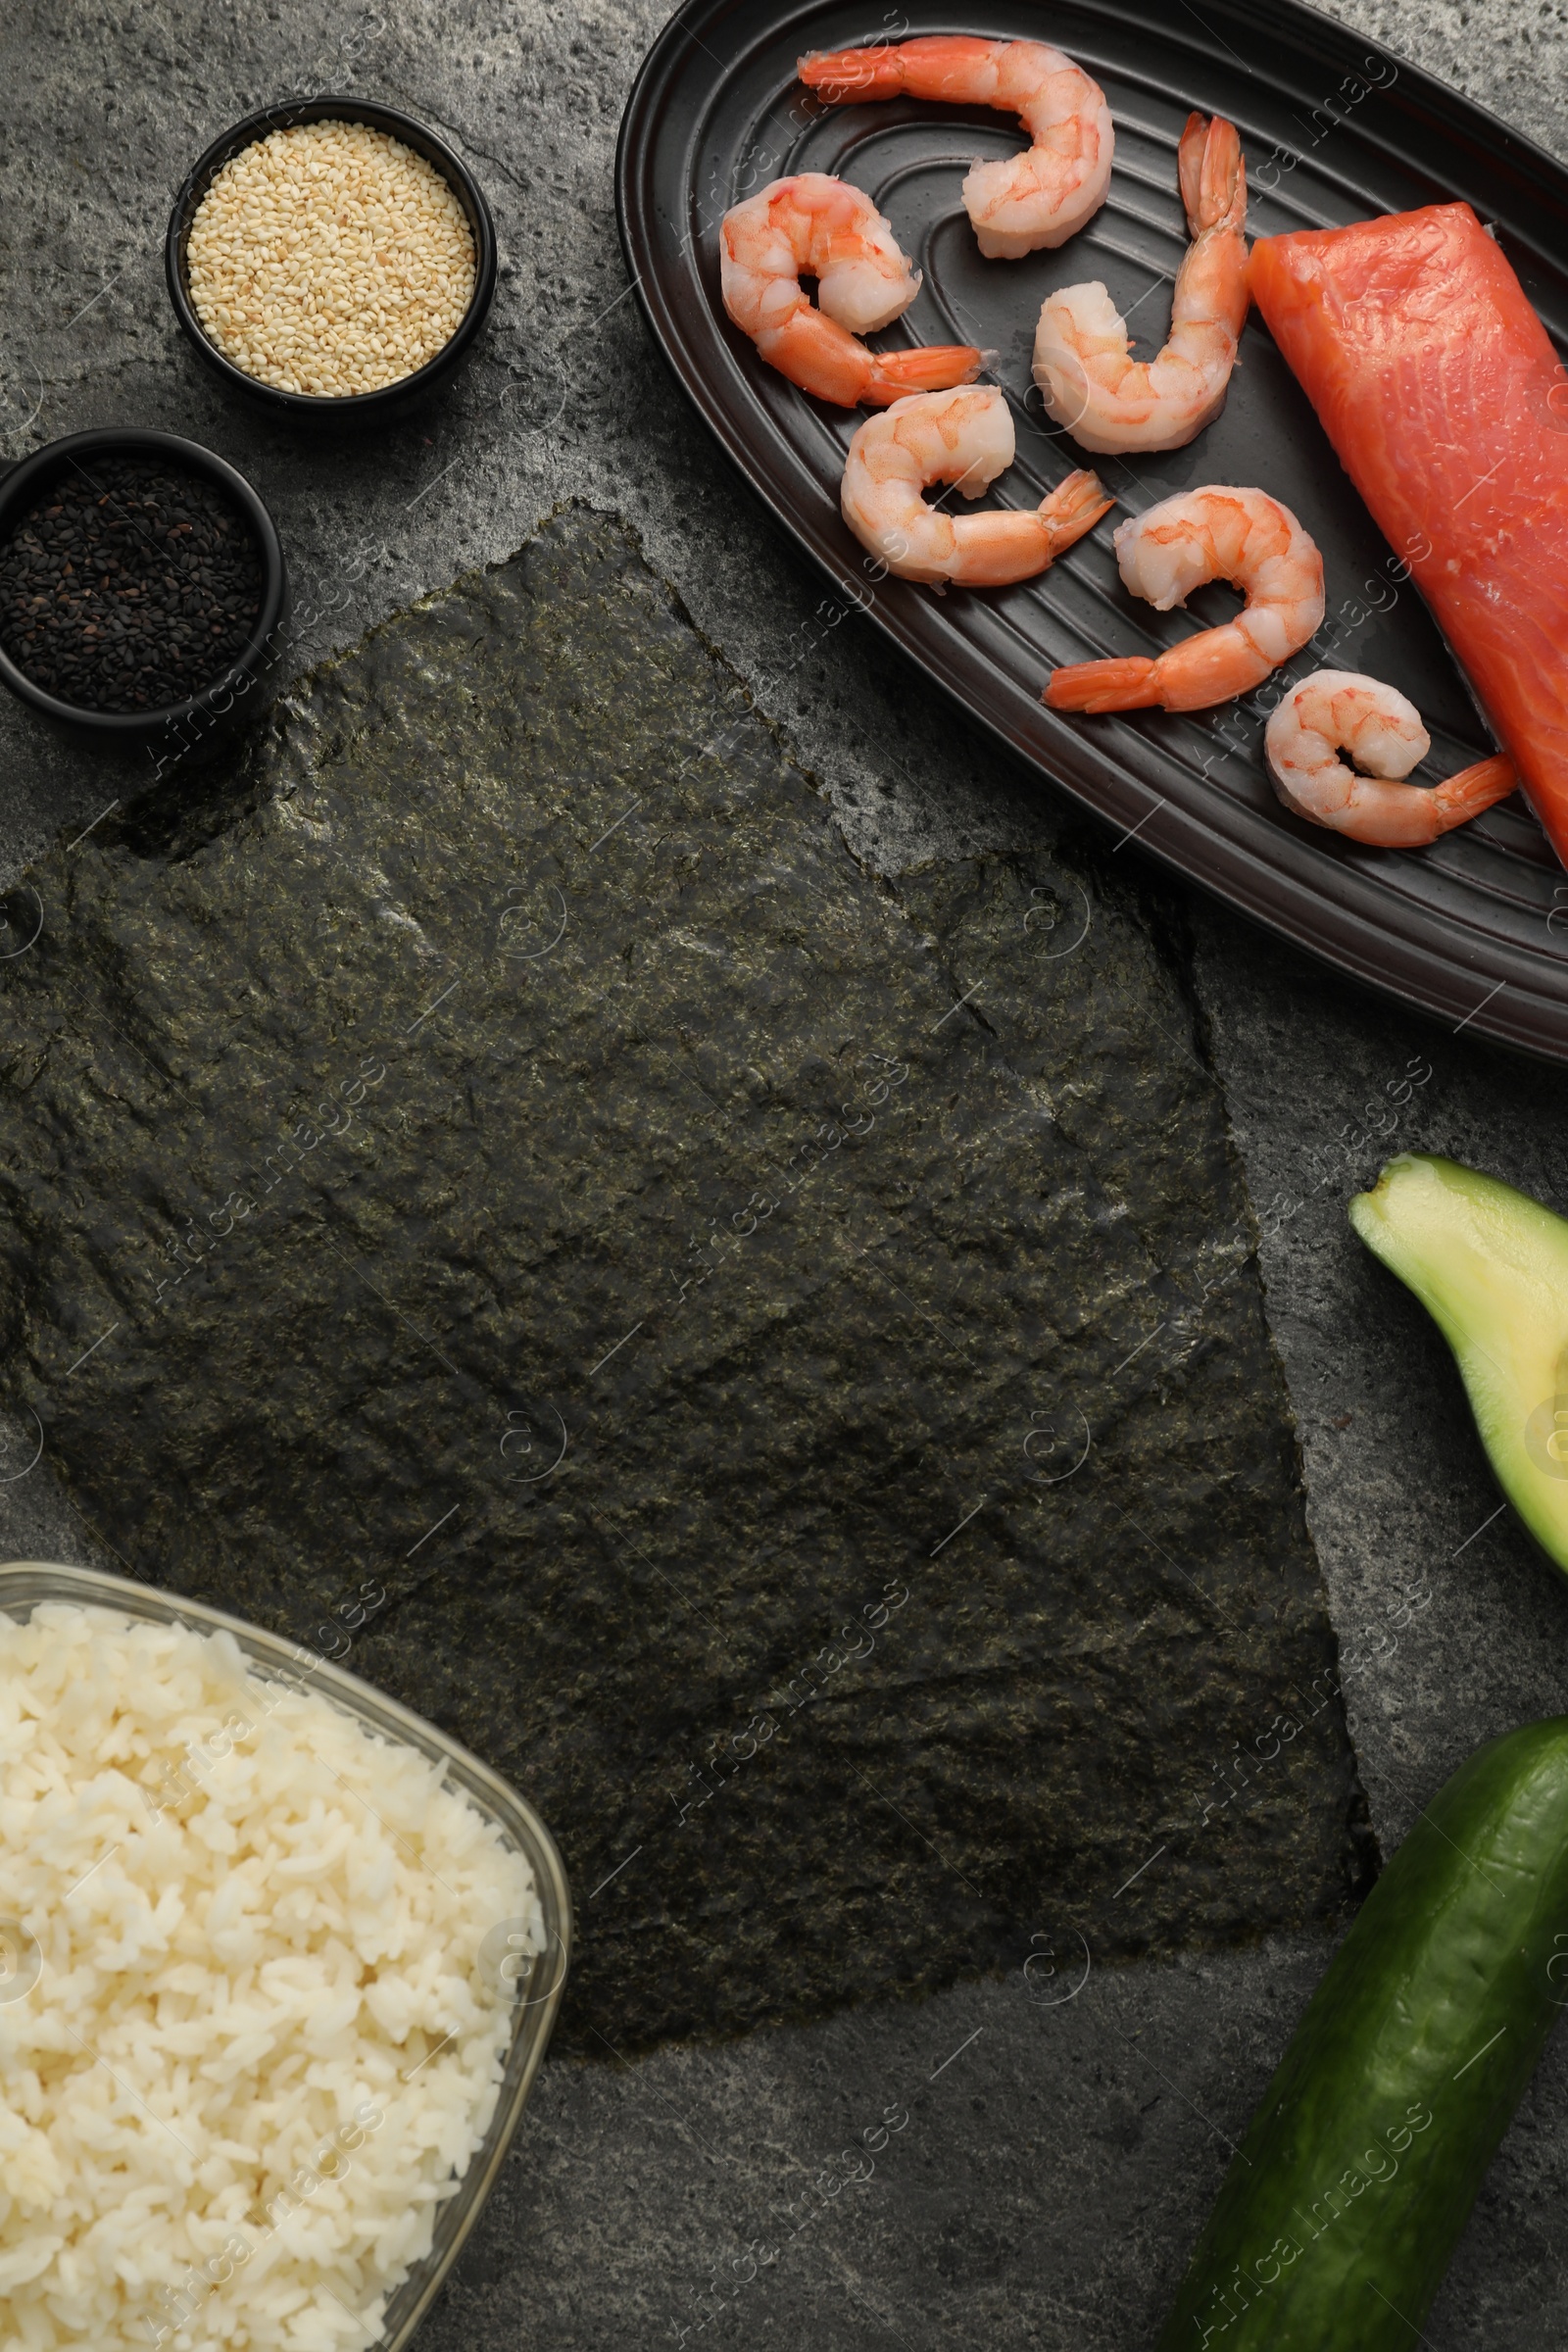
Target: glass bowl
x=540, y=1980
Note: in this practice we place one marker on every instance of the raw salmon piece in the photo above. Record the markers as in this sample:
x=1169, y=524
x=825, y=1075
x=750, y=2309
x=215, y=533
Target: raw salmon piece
x=1443, y=396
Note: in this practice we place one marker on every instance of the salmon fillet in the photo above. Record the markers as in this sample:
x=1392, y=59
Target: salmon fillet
x=1443, y=396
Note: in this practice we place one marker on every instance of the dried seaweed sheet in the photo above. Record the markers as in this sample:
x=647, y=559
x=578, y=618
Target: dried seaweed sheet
x=786, y=1351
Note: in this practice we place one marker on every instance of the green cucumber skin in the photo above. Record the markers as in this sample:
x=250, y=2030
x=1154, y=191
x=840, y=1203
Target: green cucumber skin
x=1454, y=1942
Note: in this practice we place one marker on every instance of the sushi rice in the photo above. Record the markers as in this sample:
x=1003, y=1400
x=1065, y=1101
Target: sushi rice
x=249, y=2042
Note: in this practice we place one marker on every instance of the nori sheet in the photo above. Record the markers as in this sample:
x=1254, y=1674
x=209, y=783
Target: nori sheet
x=788, y=1349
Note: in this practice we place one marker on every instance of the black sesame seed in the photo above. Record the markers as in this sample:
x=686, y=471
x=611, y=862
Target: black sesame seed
x=127, y=553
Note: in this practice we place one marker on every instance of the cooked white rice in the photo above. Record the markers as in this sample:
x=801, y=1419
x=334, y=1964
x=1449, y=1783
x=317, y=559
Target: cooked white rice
x=264, y=1992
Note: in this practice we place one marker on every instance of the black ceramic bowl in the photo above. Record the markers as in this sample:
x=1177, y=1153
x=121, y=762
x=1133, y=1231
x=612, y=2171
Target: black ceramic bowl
x=392, y=400
x=180, y=726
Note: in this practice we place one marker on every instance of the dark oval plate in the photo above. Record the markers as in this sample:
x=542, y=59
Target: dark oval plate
x=1335, y=128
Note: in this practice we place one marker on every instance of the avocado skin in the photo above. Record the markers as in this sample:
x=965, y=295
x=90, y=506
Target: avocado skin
x=1490, y=1266
x=1435, y=2006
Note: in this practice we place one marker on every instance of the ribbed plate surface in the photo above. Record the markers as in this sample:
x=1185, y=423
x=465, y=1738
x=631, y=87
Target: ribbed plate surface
x=1475, y=928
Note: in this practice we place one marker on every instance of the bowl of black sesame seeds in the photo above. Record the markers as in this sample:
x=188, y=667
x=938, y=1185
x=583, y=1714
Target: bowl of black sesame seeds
x=142, y=586
x=331, y=257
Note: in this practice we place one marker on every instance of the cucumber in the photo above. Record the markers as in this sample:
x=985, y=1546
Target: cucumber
x=1337, y=2219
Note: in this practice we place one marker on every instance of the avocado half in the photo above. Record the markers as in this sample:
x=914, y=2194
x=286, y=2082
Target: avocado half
x=1491, y=1267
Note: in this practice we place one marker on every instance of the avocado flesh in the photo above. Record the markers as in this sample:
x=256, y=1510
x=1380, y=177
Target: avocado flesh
x=1491, y=1267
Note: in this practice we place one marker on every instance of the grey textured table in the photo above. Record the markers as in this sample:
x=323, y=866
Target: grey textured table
x=1055, y=2156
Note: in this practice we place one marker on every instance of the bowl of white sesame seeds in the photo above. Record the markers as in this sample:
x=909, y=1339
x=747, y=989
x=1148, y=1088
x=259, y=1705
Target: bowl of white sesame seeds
x=332, y=257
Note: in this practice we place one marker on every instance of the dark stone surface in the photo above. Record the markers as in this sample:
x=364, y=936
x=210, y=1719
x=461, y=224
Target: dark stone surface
x=992, y=2167
x=501, y=1144
x=1065, y=2140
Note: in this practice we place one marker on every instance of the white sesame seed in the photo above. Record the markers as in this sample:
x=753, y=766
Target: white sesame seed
x=336, y=245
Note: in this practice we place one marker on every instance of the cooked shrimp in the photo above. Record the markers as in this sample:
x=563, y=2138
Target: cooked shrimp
x=1090, y=381
x=835, y=234
x=1033, y=199
x=1243, y=536
x=966, y=438
x=1336, y=709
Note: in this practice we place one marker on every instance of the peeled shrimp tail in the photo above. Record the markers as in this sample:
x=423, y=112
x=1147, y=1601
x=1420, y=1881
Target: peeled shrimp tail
x=937, y=66
x=1129, y=684
x=1204, y=669
x=1213, y=174
x=932, y=367
x=1474, y=788
x=994, y=550
x=1074, y=507
x=824, y=358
